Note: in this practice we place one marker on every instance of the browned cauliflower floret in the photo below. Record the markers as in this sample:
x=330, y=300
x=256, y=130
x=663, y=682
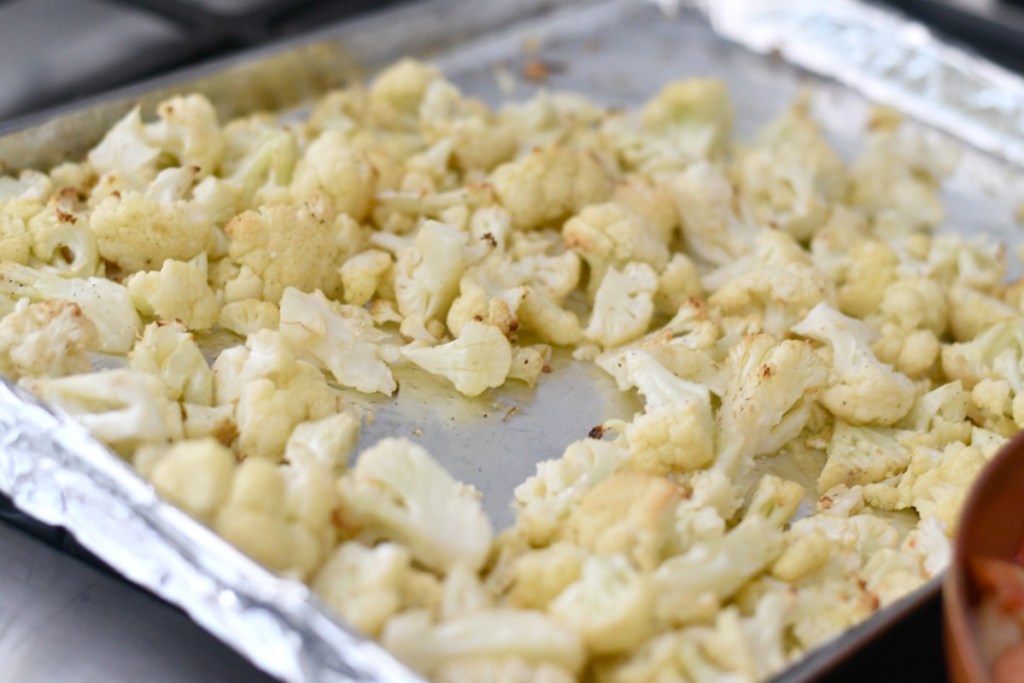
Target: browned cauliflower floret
x=333, y=167
x=550, y=183
x=287, y=246
x=48, y=339
x=138, y=233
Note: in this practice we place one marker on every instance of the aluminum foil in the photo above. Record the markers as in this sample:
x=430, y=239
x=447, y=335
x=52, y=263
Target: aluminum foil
x=889, y=59
x=617, y=52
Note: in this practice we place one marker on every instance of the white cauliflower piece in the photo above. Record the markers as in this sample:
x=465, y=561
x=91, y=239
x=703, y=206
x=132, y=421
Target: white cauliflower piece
x=138, y=233
x=776, y=285
x=790, y=178
x=178, y=291
x=169, y=352
x=327, y=442
x=627, y=513
x=529, y=363
x=106, y=303
x=397, y=93
x=428, y=271
x=530, y=636
x=255, y=518
x=272, y=392
x=337, y=337
x=972, y=312
x=710, y=224
x=333, y=167
x=249, y=316
x=501, y=670
x=195, y=475
x=47, y=339
x=547, y=498
x=997, y=353
x=59, y=236
x=479, y=359
x=364, y=585
x=862, y=455
x=539, y=576
x=548, y=184
x=609, y=605
x=676, y=431
x=692, y=586
x=870, y=268
x=288, y=246
x=862, y=389
x=397, y=491
x=613, y=235
x=938, y=417
x=125, y=152
x=539, y=313
x=623, y=305
x=217, y=422
x=362, y=274
x=188, y=130
x=123, y=408
x=767, y=399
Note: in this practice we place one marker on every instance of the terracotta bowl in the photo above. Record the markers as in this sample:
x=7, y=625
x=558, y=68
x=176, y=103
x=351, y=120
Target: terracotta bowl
x=992, y=525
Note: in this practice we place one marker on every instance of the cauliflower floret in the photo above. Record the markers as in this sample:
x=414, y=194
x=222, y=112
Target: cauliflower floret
x=862, y=389
x=361, y=275
x=546, y=499
x=488, y=293
x=15, y=238
x=256, y=518
x=870, y=269
x=188, y=130
x=364, y=585
x=623, y=305
x=272, y=392
x=613, y=235
x=767, y=399
x=501, y=670
x=331, y=166
x=711, y=227
x=776, y=285
x=530, y=636
x=259, y=159
x=398, y=491
x=396, y=94
x=529, y=363
x=428, y=271
x=997, y=353
x=195, y=475
x=539, y=576
x=691, y=586
x=676, y=431
x=678, y=283
x=123, y=408
x=337, y=337
x=938, y=417
x=862, y=455
x=539, y=313
x=126, y=153
x=628, y=513
x=971, y=312
x=609, y=605
x=60, y=236
x=178, y=291
x=790, y=178
x=106, y=303
x=548, y=184
x=479, y=359
x=169, y=352
x=137, y=232
x=328, y=442
x=249, y=316
x=896, y=180
x=217, y=422
x=48, y=339
x=288, y=246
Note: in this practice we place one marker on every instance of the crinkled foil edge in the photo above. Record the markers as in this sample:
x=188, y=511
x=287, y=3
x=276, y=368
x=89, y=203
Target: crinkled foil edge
x=886, y=57
x=55, y=471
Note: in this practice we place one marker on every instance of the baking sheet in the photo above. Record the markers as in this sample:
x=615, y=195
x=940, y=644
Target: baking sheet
x=616, y=52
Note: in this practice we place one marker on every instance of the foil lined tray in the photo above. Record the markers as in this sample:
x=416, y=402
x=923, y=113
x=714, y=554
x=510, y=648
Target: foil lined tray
x=616, y=52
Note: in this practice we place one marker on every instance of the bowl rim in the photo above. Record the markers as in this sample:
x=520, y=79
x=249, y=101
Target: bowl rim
x=956, y=597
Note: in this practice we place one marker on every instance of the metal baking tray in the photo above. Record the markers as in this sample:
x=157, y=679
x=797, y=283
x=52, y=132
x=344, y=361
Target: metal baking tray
x=616, y=52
